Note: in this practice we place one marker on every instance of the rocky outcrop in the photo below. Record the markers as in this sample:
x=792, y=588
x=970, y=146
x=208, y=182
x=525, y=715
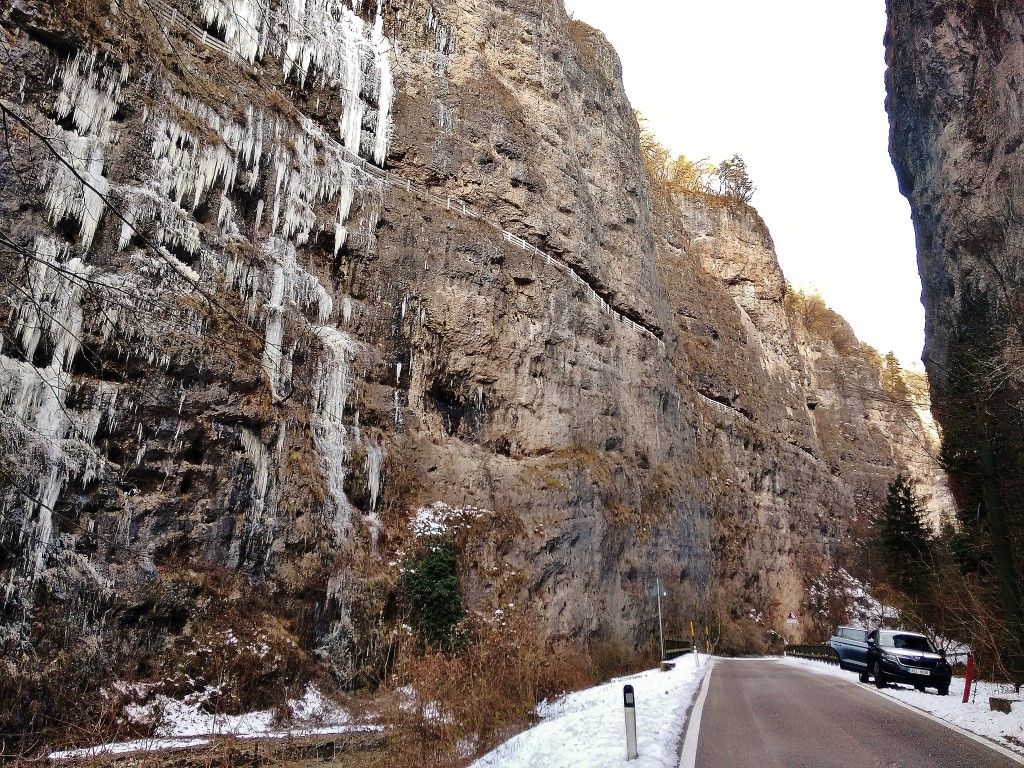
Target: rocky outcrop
x=954, y=82
x=408, y=255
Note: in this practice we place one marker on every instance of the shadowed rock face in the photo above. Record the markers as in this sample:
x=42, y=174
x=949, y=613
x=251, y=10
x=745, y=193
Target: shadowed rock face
x=955, y=94
x=259, y=360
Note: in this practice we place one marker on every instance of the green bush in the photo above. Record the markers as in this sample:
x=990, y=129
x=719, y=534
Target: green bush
x=431, y=585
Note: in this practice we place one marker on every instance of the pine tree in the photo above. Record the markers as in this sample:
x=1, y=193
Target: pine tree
x=903, y=537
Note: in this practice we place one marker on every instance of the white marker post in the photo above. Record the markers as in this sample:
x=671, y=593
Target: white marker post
x=630, y=703
x=661, y=629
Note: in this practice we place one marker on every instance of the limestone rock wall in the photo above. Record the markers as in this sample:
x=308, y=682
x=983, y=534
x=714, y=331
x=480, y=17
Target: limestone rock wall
x=238, y=356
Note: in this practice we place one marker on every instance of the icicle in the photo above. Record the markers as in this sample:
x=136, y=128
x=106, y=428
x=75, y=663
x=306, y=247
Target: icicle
x=90, y=93
x=385, y=91
x=76, y=189
x=241, y=21
x=332, y=389
x=374, y=457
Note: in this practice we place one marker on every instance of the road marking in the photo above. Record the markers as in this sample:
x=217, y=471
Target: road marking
x=870, y=688
x=1015, y=756
x=688, y=757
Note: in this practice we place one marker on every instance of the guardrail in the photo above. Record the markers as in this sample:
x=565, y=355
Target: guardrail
x=676, y=648
x=815, y=652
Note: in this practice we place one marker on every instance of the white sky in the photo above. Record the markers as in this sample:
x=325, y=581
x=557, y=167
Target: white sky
x=796, y=87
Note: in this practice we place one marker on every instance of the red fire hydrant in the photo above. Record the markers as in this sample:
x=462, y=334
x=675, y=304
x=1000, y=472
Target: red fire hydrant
x=969, y=677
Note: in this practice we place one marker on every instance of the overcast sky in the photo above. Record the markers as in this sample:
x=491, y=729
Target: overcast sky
x=796, y=87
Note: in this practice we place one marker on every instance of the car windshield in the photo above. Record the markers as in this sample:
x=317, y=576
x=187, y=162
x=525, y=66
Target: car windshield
x=907, y=642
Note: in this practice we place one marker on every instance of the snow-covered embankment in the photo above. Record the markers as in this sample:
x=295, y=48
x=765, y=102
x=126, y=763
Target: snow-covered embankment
x=587, y=728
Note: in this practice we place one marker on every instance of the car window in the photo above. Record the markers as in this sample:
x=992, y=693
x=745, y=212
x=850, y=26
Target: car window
x=912, y=643
x=905, y=642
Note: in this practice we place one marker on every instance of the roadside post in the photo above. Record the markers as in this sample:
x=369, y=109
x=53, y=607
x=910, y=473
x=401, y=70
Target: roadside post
x=661, y=629
x=969, y=677
x=693, y=646
x=629, y=700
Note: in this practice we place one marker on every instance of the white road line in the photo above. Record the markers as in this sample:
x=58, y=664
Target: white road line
x=991, y=744
x=1015, y=756
x=688, y=757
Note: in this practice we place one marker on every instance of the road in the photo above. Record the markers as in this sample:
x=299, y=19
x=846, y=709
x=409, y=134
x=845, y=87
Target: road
x=762, y=714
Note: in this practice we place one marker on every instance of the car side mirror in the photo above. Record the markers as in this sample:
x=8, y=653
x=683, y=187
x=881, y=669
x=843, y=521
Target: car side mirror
x=942, y=653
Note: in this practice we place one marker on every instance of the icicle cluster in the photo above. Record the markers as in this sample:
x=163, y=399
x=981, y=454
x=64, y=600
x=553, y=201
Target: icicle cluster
x=35, y=380
x=261, y=514
x=243, y=22
x=75, y=185
x=90, y=92
x=175, y=228
x=323, y=41
x=289, y=286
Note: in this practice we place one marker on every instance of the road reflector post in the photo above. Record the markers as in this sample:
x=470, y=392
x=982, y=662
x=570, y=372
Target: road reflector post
x=969, y=677
x=629, y=700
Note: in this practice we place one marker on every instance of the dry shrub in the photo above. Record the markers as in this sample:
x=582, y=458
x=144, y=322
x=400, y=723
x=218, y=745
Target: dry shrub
x=810, y=312
x=450, y=708
x=610, y=658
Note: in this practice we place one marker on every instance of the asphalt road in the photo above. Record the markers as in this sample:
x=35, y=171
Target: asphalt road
x=762, y=714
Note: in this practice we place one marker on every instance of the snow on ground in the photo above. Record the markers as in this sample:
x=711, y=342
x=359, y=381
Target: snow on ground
x=587, y=728
x=974, y=716
x=178, y=723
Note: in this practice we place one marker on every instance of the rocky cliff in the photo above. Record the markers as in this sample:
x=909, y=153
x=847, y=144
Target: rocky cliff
x=955, y=94
x=286, y=282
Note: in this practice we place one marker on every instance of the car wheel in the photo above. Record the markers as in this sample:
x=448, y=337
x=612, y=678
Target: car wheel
x=943, y=690
x=865, y=677
x=879, y=675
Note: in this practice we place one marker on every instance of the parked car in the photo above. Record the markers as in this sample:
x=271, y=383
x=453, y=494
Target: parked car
x=851, y=646
x=892, y=655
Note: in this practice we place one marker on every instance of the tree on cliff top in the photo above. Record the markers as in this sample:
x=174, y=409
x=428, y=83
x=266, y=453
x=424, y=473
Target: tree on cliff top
x=672, y=175
x=734, y=179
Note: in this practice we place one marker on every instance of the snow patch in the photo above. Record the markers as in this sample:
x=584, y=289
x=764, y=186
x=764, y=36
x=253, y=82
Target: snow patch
x=587, y=728
x=440, y=518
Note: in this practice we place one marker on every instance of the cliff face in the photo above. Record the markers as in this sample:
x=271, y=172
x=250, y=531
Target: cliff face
x=238, y=355
x=954, y=82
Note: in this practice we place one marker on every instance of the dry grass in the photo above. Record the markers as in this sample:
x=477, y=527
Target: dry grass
x=446, y=709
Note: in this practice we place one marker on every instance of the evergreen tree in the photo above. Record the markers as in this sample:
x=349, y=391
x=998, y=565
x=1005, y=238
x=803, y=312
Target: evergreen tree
x=735, y=180
x=431, y=585
x=903, y=537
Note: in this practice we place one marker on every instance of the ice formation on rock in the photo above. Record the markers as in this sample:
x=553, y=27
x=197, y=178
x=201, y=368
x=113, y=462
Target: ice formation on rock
x=332, y=388
x=289, y=285
x=374, y=459
x=75, y=186
x=33, y=397
x=243, y=23
x=90, y=93
x=257, y=525
x=323, y=41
